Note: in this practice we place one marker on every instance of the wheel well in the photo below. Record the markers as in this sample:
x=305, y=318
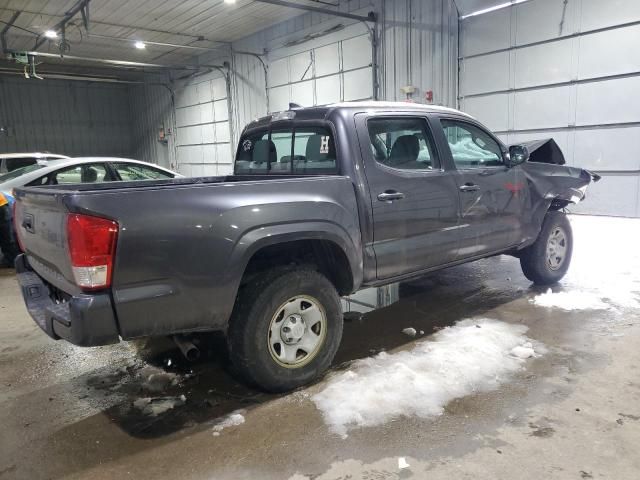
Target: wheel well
x=324, y=255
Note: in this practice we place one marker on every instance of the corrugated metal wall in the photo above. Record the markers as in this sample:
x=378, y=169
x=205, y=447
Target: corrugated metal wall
x=152, y=108
x=66, y=117
x=569, y=70
x=418, y=46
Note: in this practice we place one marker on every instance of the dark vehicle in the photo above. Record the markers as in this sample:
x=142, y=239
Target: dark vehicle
x=323, y=202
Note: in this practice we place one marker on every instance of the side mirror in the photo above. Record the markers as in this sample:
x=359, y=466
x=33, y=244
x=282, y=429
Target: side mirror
x=517, y=154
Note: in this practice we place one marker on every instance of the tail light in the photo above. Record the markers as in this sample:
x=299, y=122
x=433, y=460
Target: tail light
x=92, y=246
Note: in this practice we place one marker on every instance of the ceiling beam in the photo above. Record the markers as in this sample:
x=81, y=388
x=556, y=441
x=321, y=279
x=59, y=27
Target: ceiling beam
x=160, y=44
x=79, y=6
x=9, y=24
x=119, y=63
x=372, y=17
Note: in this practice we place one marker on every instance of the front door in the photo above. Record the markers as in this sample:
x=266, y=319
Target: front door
x=491, y=194
x=414, y=199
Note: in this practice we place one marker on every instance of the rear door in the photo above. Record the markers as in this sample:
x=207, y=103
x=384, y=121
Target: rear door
x=413, y=194
x=492, y=196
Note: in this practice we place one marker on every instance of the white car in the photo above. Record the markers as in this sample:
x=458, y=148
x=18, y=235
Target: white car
x=82, y=170
x=13, y=161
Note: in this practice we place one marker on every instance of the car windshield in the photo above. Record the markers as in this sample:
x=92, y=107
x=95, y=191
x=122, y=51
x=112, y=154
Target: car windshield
x=20, y=171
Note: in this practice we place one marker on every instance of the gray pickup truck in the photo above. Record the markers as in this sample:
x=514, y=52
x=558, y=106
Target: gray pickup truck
x=324, y=201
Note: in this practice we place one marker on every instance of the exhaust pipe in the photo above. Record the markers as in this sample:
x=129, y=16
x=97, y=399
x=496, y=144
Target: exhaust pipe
x=187, y=347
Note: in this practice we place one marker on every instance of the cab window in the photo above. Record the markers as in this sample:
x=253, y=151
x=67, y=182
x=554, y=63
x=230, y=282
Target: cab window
x=471, y=147
x=294, y=150
x=402, y=143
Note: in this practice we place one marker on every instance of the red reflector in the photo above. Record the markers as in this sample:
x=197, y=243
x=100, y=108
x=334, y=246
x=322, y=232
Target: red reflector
x=92, y=245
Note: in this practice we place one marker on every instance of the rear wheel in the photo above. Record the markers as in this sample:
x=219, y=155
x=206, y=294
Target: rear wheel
x=285, y=329
x=547, y=260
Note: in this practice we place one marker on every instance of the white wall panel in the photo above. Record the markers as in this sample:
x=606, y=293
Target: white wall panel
x=208, y=133
x=202, y=120
x=610, y=53
x=328, y=90
x=611, y=101
x=486, y=33
x=607, y=148
x=548, y=108
x=540, y=65
x=488, y=73
x=279, y=72
x=302, y=93
x=357, y=84
x=327, y=59
x=300, y=67
x=612, y=195
x=543, y=20
x=219, y=88
x=606, y=13
x=492, y=110
x=221, y=111
x=279, y=98
x=356, y=52
x=328, y=70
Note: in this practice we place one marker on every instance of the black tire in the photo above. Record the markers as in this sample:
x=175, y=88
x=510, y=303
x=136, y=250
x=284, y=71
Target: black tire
x=258, y=302
x=536, y=264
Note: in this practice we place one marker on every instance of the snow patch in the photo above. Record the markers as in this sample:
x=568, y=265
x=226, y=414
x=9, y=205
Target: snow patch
x=157, y=406
x=410, y=331
x=458, y=361
x=232, y=420
x=571, y=300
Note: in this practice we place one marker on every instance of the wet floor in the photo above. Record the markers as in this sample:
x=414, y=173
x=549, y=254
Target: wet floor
x=141, y=411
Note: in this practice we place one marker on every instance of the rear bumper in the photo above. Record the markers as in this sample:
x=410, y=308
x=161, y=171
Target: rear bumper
x=85, y=320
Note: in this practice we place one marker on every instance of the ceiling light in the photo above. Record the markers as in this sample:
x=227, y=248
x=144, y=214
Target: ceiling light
x=493, y=9
x=229, y=2
x=51, y=34
x=140, y=45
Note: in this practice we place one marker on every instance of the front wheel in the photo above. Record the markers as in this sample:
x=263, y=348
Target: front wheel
x=547, y=260
x=285, y=329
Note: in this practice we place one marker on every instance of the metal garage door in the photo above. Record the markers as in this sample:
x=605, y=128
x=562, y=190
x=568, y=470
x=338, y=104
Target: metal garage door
x=334, y=72
x=203, y=132
x=567, y=70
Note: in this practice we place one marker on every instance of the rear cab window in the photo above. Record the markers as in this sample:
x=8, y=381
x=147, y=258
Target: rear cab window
x=287, y=150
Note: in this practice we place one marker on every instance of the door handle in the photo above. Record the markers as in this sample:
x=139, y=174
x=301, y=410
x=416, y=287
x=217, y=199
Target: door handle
x=390, y=196
x=469, y=187
x=27, y=223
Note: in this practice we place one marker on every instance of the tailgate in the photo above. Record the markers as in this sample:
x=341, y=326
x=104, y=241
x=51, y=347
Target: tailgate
x=41, y=219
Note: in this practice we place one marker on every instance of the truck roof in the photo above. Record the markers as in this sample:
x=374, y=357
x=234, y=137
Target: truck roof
x=321, y=112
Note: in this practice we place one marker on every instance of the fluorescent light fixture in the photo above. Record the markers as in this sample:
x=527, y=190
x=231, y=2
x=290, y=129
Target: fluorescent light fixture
x=51, y=34
x=229, y=2
x=493, y=9
x=140, y=45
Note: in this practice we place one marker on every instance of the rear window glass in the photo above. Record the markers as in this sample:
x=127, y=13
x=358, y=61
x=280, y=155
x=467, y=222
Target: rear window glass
x=20, y=171
x=16, y=163
x=301, y=150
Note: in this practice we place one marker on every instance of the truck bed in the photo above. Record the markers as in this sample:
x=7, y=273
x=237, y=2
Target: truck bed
x=183, y=243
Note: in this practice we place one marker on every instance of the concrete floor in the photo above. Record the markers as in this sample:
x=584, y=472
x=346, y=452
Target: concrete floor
x=66, y=412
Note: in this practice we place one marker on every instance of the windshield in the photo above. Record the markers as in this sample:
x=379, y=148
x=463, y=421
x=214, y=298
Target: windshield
x=20, y=171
